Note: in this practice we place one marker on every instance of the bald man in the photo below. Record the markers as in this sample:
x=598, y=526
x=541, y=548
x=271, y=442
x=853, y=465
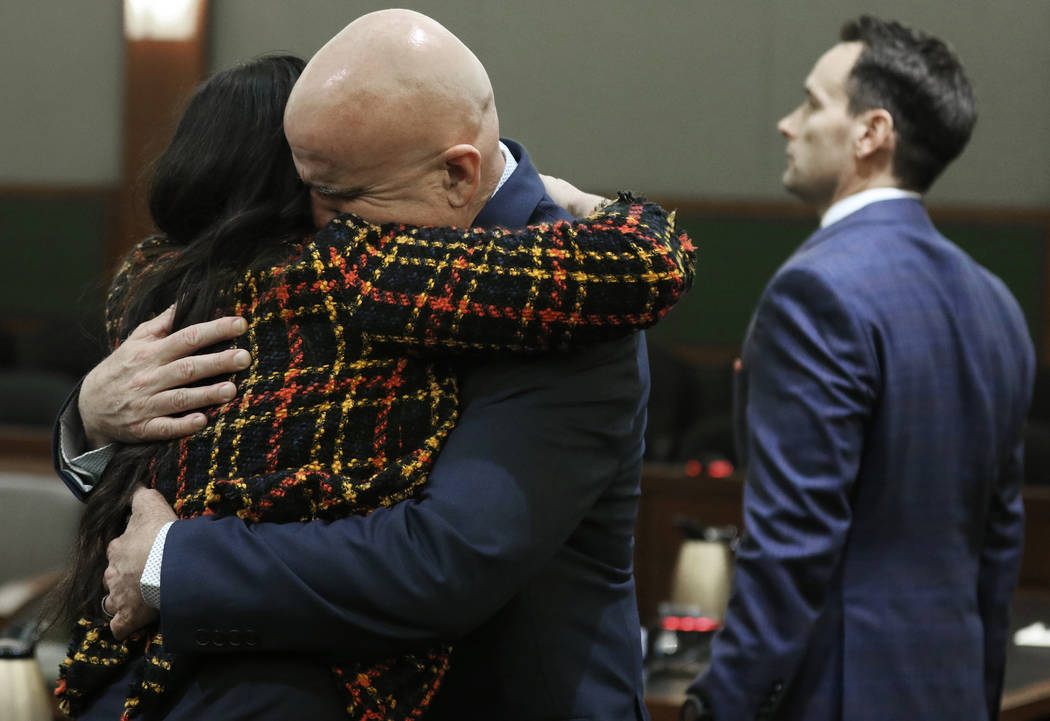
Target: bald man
x=519, y=551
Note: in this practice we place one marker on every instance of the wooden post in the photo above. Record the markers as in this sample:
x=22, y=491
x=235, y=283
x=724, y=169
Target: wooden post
x=159, y=75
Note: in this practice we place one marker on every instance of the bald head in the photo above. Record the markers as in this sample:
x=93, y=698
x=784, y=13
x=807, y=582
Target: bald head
x=395, y=92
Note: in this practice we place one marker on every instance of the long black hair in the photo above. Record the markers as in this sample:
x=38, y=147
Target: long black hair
x=226, y=196
x=225, y=191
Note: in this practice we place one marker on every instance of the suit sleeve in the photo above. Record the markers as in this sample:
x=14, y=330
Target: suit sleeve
x=811, y=385
x=556, y=285
x=493, y=512
x=999, y=565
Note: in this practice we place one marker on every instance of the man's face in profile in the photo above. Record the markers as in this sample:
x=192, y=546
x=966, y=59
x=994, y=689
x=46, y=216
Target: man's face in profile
x=819, y=132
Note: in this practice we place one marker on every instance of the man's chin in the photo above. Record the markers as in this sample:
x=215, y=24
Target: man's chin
x=791, y=185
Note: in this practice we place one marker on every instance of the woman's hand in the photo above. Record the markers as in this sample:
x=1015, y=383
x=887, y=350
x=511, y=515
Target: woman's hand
x=568, y=196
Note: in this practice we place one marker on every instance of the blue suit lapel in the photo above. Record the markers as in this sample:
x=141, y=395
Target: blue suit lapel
x=513, y=205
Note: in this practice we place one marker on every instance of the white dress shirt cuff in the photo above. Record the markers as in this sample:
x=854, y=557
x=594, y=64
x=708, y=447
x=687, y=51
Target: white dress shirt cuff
x=149, y=584
x=86, y=466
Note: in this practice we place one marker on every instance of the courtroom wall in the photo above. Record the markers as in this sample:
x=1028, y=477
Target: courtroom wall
x=677, y=98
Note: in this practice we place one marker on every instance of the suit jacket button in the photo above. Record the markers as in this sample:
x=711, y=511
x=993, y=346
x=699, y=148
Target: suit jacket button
x=233, y=637
x=201, y=637
x=250, y=637
x=778, y=686
x=218, y=638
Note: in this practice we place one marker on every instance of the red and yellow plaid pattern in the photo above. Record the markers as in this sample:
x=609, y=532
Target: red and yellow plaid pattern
x=350, y=394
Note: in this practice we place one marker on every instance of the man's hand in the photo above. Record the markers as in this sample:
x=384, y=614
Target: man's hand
x=131, y=395
x=568, y=196
x=127, y=559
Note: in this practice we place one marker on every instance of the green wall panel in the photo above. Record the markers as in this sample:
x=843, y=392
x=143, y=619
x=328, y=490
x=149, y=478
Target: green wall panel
x=54, y=247
x=737, y=256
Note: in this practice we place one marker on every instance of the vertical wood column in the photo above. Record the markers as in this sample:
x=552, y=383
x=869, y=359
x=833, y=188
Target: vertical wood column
x=159, y=75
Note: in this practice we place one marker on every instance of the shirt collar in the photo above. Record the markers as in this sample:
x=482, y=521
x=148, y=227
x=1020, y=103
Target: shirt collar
x=519, y=197
x=509, y=164
x=852, y=203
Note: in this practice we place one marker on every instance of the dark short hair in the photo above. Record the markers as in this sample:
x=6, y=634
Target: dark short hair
x=919, y=81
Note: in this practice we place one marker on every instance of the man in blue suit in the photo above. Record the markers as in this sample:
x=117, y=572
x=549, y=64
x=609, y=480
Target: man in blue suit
x=519, y=550
x=885, y=378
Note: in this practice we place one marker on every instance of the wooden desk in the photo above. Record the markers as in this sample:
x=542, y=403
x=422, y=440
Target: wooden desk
x=668, y=493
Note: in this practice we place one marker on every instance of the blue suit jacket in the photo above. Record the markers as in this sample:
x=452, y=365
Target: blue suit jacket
x=886, y=377
x=519, y=551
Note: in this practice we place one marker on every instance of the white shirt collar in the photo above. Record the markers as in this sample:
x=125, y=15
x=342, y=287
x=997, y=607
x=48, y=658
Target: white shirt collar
x=509, y=164
x=852, y=203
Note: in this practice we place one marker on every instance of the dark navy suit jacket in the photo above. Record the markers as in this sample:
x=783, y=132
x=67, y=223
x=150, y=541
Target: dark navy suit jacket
x=886, y=377
x=519, y=552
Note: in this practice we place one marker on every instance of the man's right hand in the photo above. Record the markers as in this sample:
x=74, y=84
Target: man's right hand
x=131, y=395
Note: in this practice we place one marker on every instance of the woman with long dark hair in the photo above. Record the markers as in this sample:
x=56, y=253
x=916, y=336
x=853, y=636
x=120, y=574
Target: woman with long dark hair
x=350, y=394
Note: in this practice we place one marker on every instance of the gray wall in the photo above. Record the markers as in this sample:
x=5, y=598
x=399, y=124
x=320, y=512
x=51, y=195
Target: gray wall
x=61, y=93
x=670, y=97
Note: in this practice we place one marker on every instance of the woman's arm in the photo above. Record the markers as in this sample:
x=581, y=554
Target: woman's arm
x=558, y=285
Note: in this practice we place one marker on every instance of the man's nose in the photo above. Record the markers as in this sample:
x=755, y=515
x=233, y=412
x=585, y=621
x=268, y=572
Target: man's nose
x=784, y=126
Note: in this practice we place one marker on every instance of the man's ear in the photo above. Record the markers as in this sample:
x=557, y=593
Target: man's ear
x=875, y=133
x=463, y=174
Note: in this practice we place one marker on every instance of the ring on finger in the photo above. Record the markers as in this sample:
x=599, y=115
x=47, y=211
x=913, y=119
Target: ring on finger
x=105, y=611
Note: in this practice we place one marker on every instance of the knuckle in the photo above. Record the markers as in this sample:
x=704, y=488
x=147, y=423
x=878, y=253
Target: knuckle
x=185, y=368
x=191, y=336
x=159, y=428
x=226, y=360
x=138, y=354
x=180, y=399
x=141, y=430
x=139, y=380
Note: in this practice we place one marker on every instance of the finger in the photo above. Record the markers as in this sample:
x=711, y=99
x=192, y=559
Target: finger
x=166, y=428
x=200, y=335
x=120, y=627
x=128, y=621
x=181, y=400
x=193, y=368
x=157, y=327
